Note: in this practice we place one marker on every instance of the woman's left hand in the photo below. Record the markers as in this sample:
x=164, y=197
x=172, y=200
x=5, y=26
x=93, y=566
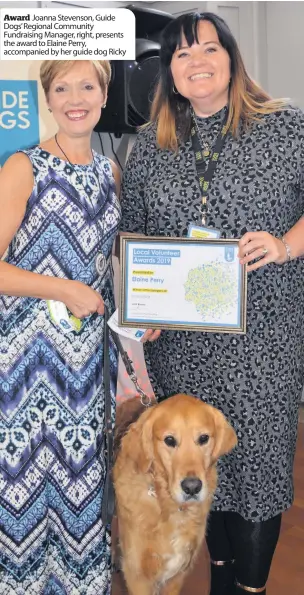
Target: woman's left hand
x=262, y=245
x=150, y=335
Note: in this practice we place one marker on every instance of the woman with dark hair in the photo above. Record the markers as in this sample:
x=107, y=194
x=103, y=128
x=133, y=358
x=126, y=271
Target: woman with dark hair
x=207, y=110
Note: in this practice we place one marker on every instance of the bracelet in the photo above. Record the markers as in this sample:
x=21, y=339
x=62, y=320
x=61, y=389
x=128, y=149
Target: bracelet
x=287, y=248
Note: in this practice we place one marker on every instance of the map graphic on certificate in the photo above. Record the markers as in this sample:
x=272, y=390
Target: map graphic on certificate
x=212, y=289
x=182, y=283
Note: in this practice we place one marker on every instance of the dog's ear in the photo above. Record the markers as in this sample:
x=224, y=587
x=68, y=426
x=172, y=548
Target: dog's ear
x=141, y=436
x=146, y=453
x=127, y=413
x=225, y=436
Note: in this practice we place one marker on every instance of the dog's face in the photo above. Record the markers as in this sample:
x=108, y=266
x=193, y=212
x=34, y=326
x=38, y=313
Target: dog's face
x=182, y=438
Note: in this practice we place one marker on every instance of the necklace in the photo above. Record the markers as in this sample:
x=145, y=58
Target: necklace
x=205, y=145
x=78, y=178
x=101, y=263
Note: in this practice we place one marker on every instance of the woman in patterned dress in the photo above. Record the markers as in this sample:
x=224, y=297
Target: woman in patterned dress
x=59, y=211
x=256, y=194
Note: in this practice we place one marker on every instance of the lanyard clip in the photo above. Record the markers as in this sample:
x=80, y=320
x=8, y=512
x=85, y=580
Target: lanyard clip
x=144, y=398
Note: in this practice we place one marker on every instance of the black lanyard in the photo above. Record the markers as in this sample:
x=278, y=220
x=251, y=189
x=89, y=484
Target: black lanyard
x=204, y=174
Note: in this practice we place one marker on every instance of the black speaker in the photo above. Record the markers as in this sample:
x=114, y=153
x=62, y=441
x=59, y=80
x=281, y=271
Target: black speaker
x=133, y=82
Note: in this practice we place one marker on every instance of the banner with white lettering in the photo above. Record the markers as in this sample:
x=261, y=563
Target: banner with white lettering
x=19, y=119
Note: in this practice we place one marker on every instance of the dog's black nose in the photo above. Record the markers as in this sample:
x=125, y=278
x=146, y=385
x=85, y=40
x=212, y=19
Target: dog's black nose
x=191, y=486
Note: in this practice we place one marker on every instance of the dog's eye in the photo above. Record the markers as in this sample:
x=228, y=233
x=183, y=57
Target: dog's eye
x=170, y=441
x=203, y=439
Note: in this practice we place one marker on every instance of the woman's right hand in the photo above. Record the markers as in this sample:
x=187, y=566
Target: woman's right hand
x=81, y=299
x=150, y=335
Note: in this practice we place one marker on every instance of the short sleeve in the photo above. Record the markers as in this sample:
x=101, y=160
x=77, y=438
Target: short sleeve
x=134, y=211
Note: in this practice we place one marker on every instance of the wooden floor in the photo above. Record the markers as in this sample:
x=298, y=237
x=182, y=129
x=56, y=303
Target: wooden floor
x=287, y=573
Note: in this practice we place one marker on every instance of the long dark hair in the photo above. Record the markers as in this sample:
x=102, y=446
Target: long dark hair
x=171, y=111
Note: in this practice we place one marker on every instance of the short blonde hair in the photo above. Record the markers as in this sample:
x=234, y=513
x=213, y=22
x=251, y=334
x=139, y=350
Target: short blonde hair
x=51, y=68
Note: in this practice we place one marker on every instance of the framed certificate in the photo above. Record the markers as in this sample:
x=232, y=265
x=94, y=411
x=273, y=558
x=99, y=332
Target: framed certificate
x=182, y=283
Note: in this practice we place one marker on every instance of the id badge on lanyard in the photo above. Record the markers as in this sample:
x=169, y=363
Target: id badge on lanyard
x=202, y=233
x=60, y=316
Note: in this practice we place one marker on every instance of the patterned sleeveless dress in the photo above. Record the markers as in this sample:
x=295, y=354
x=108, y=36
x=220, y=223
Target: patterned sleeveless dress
x=52, y=468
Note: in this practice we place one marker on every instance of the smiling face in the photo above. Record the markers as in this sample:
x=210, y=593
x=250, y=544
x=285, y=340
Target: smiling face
x=76, y=98
x=201, y=73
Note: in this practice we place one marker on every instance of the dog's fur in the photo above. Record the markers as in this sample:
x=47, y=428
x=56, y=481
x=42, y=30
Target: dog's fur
x=161, y=528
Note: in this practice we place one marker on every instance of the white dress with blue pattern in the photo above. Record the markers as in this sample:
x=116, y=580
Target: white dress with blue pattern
x=52, y=468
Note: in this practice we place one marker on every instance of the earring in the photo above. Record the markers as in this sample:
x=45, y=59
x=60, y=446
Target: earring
x=105, y=105
x=50, y=110
x=175, y=91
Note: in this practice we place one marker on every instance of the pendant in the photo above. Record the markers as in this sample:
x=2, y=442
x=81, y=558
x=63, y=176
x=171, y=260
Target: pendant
x=206, y=153
x=100, y=263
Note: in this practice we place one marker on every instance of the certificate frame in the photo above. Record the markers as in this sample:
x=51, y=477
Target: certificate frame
x=172, y=246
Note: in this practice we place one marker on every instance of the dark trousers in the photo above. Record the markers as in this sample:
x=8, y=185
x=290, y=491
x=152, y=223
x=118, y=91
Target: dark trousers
x=245, y=547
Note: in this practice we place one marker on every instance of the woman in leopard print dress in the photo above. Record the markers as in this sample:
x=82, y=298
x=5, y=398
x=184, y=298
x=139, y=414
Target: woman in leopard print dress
x=256, y=194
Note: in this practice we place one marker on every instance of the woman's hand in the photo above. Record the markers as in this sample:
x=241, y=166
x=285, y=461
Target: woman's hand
x=262, y=245
x=150, y=335
x=81, y=299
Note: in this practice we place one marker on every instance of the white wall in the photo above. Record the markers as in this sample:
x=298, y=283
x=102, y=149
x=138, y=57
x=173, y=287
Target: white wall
x=285, y=49
x=9, y=4
x=177, y=8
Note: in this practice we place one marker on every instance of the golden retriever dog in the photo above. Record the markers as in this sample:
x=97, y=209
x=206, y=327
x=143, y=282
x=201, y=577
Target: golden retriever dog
x=165, y=477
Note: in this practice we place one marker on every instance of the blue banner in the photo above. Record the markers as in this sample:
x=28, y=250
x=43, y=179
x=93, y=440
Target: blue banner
x=19, y=116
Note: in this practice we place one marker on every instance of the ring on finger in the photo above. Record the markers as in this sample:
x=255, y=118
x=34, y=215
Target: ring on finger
x=265, y=251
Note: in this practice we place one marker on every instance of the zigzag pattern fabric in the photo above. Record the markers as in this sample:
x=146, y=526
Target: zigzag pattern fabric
x=52, y=468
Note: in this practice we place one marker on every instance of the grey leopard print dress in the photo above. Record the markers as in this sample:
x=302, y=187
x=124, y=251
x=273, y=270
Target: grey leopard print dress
x=255, y=379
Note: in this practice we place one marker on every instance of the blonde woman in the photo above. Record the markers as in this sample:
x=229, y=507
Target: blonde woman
x=208, y=112
x=59, y=217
